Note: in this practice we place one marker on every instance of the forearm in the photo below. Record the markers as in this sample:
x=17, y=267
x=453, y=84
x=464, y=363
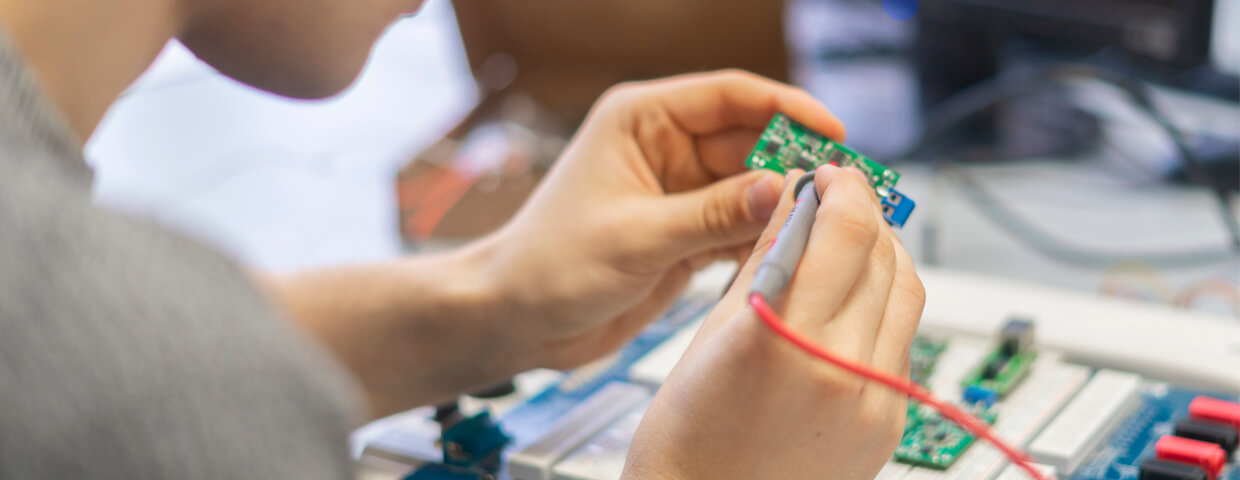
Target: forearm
x=413, y=331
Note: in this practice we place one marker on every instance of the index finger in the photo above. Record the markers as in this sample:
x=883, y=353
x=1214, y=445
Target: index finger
x=713, y=102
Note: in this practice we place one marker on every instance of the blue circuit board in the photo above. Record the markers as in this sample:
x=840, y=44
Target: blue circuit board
x=1116, y=459
x=532, y=419
x=1119, y=456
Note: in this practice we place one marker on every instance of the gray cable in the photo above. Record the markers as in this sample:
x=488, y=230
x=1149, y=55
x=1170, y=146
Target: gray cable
x=781, y=261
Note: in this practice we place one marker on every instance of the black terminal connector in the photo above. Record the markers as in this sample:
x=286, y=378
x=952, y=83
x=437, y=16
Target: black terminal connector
x=448, y=414
x=1220, y=434
x=502, y=389
x=992, y=369
x=1016, y=336
x=1156, y=469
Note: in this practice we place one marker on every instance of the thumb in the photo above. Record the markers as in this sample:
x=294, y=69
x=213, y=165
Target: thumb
x=729, y=212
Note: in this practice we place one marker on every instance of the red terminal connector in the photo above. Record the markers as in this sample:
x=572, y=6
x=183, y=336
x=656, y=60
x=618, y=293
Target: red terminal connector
x=1215, y=410
x=1208, y=456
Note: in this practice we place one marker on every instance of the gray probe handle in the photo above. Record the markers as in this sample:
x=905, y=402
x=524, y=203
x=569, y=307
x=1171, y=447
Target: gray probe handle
x=781, y=260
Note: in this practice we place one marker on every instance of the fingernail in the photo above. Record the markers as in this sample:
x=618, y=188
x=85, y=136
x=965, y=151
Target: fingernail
x=827, y=172
x=763, y=196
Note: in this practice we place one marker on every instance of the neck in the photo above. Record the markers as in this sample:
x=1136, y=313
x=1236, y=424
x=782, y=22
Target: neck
x=85, y=53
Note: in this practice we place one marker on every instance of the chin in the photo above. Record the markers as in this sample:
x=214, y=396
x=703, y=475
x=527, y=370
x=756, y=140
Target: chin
x=303, y=81
x=308, y=88
x=297, y=68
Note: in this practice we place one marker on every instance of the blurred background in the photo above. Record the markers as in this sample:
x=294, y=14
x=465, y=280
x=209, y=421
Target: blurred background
x=1090, y=145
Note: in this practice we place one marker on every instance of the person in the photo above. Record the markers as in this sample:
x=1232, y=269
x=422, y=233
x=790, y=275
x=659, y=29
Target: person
x=128, y=351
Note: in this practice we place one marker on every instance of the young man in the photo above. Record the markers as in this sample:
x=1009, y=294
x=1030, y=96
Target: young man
x=130, y=352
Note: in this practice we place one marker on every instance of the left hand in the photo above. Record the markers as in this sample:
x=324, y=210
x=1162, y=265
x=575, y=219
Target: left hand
x=651, y=189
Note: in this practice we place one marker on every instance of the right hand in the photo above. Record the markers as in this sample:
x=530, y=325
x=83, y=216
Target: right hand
x=746, y=404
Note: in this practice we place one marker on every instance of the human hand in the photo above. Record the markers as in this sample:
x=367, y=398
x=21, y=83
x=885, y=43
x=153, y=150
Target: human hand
x=652, y=188
x=745, y=404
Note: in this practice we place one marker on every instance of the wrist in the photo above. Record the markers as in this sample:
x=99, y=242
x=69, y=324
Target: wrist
x=480, y=305
x=507, y=298
x=415, y=331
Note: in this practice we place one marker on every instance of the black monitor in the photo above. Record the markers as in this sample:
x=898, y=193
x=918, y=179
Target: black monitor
x=961, y=42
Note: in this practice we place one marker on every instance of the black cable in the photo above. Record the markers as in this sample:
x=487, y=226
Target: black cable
x=1192, y=167
x=1052, y=246
x=973, y=100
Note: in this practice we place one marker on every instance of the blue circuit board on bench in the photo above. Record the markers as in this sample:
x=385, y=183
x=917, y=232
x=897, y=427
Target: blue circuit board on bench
x=1120, y=455
x=1117, y=458
x=532, y=419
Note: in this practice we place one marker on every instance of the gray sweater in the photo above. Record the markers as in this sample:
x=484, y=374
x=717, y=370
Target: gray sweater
x=129, y=352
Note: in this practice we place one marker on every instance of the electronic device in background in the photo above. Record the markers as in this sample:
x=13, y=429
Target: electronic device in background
x=962, y=43
x=1005, y=79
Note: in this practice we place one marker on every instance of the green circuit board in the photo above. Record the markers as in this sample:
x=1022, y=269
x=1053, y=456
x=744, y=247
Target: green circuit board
x=933, y=441
x=923, y=357
x=787, y=145
x=1001, y=371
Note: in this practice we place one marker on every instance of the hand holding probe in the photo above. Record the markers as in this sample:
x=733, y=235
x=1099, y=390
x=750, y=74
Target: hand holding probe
x=775, y=272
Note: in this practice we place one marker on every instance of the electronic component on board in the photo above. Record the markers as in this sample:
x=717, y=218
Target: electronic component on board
x=974, y=394
x=932, y=441
x=1017, y=336
x=1208, y=456
x=924, y=357
x=1156, y=469
x=1219, y=434
x=897, y=208
x=1004, y=368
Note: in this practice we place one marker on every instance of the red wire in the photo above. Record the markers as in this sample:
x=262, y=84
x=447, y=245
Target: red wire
x=917, y=392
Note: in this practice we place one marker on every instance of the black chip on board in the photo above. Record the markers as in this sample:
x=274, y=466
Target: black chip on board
x=837, y=157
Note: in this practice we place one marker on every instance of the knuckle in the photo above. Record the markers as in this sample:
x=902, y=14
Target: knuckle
x=838, y=386
x=873, y=412
x=857, y=228
x=842, y=388
x=735, y=75
x=895, y=427
x=882, y=413
x=913, y=289
x=620, y=93
x=884, y=254
x=658, y=135
x=716, y=217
